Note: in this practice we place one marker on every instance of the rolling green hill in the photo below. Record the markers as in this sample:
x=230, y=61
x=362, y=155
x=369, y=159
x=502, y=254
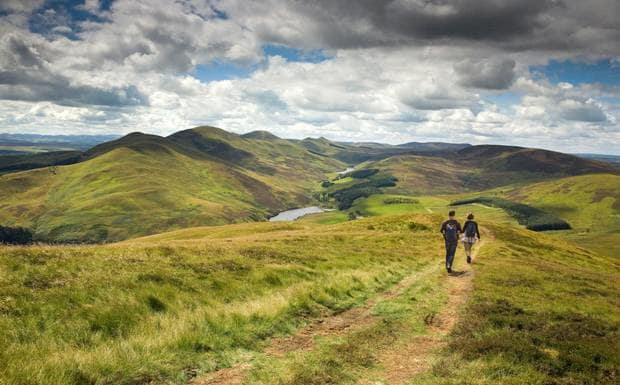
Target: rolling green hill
x=141, y=184
x=250, y=299
x=590, y=203
x=477, y=168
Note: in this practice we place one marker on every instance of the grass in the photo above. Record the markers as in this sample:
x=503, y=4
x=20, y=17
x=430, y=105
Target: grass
x=590, y=203
x=145, y=184
x=167, y=307
x=163, y=307
x=542, y=312
x=349, y=357
x=532, y=218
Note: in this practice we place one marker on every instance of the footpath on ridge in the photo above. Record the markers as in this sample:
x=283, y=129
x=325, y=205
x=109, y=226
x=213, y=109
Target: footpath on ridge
x=399, y=364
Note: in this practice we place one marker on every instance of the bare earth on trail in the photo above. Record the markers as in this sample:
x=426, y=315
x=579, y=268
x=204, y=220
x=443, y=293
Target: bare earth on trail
x=352, y=319
x=401, y=363
x=333, y=325
x=404, y=362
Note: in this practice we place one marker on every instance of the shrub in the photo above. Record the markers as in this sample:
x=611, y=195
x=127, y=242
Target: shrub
x=363, y=189
x=531, y=217
x=15, y=235
x=413, y=226
x=361, y=174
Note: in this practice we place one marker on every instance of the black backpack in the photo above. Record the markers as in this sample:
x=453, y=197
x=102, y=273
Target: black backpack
x=470, y=230
x=451, y=232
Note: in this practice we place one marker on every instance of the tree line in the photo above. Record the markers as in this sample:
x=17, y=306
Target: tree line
x=15, y=235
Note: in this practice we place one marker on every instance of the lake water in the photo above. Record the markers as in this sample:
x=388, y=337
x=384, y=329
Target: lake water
x=291, y=215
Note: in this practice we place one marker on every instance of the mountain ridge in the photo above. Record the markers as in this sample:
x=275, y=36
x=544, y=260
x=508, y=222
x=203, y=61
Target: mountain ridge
x=142, y=184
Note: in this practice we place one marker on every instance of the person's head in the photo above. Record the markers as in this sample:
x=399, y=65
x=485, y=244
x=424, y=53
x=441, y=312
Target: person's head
x=452, y=214
x=470, y=216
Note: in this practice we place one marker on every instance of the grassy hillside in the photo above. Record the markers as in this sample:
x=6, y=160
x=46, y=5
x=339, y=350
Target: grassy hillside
x=477, y=168
x=142, y=184
x=590, y=203
x=542, y=311
x=161, y=308
x=169, y=307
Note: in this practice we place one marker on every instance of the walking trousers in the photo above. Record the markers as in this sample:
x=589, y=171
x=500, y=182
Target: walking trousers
x=450, y=251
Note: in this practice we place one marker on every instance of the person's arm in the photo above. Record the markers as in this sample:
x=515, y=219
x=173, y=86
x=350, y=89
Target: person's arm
x=442, y=230
x=459, y=229
x=477, y=232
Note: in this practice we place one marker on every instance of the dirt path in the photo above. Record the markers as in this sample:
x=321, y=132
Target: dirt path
x=401, y=363
x=404, y=362
x=332, y=325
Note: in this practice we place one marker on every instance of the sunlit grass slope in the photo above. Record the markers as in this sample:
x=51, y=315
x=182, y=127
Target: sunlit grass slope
x=143, y=184
x=390, y=204
x=167, y=307
x=482, y=167
x=542, y=311
x=590, y=203
x=162, y=308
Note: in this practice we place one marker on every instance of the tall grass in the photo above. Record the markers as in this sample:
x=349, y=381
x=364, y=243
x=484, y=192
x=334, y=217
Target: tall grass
x=542, y=312
x=162, y=312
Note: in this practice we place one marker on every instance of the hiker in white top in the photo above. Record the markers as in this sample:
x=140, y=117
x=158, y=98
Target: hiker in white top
x=470, y=235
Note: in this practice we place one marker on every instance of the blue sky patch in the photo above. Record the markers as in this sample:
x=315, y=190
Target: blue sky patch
x=574, y=72
x=221, y=70
x=294, y=54
x=504, y=100
x=63, y=17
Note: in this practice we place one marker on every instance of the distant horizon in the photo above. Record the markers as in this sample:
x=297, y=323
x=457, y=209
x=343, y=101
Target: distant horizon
x=115, y=136
x=532, y=73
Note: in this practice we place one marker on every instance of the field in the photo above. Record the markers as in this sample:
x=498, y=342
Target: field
x=169, y=307
x=144, y=184
x=199, y=290
x=590, y=203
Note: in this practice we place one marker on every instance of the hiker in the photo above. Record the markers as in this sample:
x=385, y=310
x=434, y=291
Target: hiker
x=470, y=234
x=451, y=230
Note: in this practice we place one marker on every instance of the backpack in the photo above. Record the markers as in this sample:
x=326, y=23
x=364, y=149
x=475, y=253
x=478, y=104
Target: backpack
x=470, y=230
x=451, y=232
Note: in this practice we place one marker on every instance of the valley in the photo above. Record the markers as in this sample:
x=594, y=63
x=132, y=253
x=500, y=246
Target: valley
x=183, y=280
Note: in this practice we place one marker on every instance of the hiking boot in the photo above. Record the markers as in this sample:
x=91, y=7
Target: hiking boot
x=468, y=259
x=449, y=270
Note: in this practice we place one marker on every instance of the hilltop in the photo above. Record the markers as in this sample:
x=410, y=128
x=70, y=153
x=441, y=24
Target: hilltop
x=475, y=168
x=142, y=184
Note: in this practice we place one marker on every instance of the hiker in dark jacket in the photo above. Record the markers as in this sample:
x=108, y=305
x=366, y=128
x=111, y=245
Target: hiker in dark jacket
x=451, y=230
x=470, y=234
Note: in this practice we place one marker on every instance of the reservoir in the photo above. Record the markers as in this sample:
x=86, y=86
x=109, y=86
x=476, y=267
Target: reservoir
x=291, y=215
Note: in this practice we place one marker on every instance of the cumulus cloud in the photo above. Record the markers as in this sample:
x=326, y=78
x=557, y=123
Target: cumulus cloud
x=492, y=74
x=20, y=6
x=396, y=70
x=587, y=111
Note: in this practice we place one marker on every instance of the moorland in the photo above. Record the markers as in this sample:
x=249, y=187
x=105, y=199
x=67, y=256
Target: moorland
x=153, y=263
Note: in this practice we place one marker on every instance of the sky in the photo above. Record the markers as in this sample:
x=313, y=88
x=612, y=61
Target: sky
x=537, y=73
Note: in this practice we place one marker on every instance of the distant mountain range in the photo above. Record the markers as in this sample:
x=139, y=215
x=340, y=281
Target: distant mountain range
x=604, y=158
x=142, y=184
x=21, y=144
